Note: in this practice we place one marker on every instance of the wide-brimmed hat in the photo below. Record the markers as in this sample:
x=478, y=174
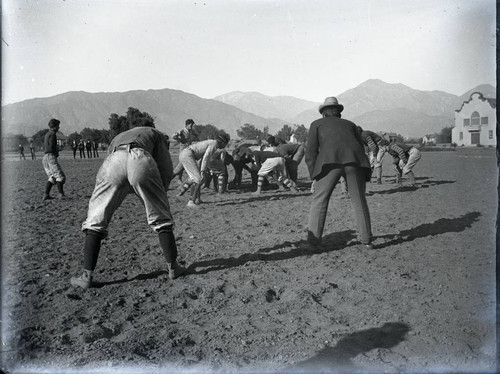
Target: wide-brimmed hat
x=331, y=101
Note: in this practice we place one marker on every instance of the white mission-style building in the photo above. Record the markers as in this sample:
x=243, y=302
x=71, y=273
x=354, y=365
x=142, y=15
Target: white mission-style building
x=475, y=122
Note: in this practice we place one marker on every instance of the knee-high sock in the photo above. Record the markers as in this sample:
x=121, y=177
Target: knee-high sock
x=60, y=187
x=91, y=250
x=168, y=245
x=48, y=187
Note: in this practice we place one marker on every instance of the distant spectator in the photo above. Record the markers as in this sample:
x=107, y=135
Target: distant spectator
x=81, y=148
x=21, y=152
x=88, y=146
x=74, y=147
x=32, y=150
x=95, y=148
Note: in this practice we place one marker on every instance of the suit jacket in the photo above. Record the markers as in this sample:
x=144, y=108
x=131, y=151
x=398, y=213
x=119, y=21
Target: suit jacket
x=334, y=142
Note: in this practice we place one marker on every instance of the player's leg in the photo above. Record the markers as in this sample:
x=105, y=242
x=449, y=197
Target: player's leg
x=110, y=190
x=58, y=174
x=145, y=179
x=414, y=157
x=51, y=179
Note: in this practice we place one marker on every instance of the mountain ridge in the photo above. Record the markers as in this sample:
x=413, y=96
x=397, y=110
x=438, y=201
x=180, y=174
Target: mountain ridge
x=374, y=104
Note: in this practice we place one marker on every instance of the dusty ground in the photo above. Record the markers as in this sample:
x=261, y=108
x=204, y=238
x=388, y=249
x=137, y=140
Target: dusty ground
x=257, y=298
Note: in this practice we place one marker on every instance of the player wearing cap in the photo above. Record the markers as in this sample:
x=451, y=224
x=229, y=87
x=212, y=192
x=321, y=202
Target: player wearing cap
x=50, y=162
x=185, y=138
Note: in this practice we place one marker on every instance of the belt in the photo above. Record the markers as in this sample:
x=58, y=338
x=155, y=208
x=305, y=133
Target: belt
x=125, y=147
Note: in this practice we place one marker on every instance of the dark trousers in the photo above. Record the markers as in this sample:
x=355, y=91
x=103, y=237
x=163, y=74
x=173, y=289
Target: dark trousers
x=323, y=189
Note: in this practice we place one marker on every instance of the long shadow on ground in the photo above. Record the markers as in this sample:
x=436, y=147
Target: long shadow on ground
x=152, y=275
x=339, y=358
x=398, y=189
x=331, y=242
x=264, y=197
x=440, y=226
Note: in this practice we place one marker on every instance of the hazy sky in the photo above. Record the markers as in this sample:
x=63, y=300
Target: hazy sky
x=309, y=49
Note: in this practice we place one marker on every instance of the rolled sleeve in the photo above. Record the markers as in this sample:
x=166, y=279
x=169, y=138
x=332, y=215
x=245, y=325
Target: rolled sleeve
x=206, y=157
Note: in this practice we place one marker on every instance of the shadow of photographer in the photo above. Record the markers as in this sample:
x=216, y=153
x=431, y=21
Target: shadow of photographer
x=339, y=358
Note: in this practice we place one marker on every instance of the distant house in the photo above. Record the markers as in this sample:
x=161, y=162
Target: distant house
x=10, y=143
x=62, y=139
x=430, y=139
x=475, y=122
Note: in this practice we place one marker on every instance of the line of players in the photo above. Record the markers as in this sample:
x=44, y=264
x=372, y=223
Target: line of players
x=275, y=159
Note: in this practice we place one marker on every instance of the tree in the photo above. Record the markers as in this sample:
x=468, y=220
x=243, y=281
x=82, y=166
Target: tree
x=104, y=136
x=206, y=131
x=248, y=131
x=285, y=133
x=137, y=118
x=445, y=135
x=74, y=136
x=133, y=118
x=38, y=137
x=117, y=124
x=265, y=132
x=301, y=134
x=90, y=134
x=21, y=139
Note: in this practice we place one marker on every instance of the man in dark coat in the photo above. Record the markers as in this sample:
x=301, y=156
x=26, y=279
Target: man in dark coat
x=334, y=149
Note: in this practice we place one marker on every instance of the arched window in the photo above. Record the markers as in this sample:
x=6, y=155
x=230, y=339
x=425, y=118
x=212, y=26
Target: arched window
x=475, y=119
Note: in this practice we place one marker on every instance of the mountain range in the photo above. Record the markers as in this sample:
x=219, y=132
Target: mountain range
x=374, y=105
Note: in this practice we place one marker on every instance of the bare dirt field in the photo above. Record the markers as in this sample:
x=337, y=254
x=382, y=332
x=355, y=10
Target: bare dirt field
x=257, y=298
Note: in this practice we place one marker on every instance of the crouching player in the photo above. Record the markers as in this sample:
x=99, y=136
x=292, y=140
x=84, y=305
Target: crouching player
x=405, y=158
x=372, y=141
x=270, y=163
x=217, y=170
x=240, y=161
x=138, y=161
